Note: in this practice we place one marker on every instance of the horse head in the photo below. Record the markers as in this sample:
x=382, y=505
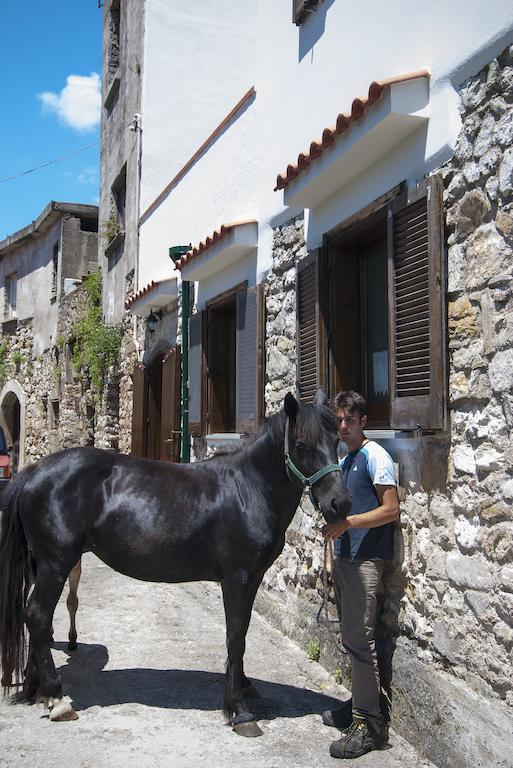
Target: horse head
x=310, y=448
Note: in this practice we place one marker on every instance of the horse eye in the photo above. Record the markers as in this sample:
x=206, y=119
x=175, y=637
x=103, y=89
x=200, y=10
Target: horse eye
x=300, y=446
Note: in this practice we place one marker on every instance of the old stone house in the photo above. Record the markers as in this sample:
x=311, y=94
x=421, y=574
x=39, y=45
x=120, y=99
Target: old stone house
x=42, y=266
x=344, y=178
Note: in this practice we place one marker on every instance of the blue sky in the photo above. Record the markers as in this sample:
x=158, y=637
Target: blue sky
x=50, y=61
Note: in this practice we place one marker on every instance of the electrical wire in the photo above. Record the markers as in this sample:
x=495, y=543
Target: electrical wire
x=49, y=162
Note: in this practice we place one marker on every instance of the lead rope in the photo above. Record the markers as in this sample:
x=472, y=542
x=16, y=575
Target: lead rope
x=328, y=552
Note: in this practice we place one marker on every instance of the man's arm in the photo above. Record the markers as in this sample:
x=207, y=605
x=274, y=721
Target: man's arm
x=387, y=512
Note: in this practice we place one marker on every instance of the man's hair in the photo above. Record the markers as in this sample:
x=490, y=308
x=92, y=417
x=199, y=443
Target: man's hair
x=352, y=402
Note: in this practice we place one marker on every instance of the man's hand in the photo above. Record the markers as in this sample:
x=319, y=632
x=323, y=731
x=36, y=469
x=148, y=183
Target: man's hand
x=334, y=530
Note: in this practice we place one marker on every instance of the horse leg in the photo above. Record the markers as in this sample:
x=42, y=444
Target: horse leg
x=72, y=603
x=38, y=618
x=238, y=600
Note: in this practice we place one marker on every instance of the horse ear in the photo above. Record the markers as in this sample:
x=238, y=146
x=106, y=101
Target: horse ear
x=291, y=406
x=321, y=398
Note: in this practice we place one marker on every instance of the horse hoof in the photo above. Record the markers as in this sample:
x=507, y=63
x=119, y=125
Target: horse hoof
x=249, y=729
x=58, y=710
x=61, y=710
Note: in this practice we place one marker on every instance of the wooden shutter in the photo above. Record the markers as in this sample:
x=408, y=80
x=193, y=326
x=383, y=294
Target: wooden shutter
x=311, y=334
x=139, y=410
x=249, y=358
x=196, y=374
x=170, y=414
x=417, y=299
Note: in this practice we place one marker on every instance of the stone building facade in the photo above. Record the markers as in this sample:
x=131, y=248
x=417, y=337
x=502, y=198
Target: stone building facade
x=43, y=404
x=448, y=605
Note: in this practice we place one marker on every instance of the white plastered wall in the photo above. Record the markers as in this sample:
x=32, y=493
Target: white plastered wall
x=210, y=55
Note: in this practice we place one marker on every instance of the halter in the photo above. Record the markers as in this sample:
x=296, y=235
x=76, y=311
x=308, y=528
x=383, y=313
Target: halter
x=306, y=482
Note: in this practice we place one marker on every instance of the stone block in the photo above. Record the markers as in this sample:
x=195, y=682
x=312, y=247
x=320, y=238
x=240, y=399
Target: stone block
x=488, y=459
x=506, y=173
x=504, y=606
x=498, y=544
x=467, y=532
x=479, y=602
x=486, y=135
x=500, y=370
x=447, y=640
x=487, y=255
x=506, y=578
x=463, y=460
x=504, y=129
x=470, y=572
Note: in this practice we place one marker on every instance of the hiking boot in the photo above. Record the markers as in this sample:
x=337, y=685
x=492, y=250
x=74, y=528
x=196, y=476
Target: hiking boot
x=358, y=740
x=341, y=717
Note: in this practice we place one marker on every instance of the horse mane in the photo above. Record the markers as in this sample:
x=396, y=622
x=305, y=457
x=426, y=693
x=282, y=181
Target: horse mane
x=309, y=426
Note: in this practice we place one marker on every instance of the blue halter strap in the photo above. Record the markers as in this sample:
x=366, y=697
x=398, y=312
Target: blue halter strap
x=306, y=482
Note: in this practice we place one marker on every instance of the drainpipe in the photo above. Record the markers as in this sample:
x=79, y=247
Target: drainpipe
x=175, y=253
x=135, y=126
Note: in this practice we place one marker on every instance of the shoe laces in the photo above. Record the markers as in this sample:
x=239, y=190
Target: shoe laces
x=356, y=725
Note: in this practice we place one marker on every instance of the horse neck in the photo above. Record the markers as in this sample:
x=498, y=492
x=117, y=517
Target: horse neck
x=268, y=459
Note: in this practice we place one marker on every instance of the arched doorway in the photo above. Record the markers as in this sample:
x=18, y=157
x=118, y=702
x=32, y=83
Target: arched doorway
x=12, y=419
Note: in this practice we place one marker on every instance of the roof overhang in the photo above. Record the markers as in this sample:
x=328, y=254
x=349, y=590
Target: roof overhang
x=215, y=254
x=46, y=219
x=401, y=110
x=154, y=296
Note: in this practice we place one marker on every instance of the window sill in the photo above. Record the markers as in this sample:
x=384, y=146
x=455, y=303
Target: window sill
x=114, y=244
x=389, y=434
x=112, y=91
x=222, y=441
x=10, y=325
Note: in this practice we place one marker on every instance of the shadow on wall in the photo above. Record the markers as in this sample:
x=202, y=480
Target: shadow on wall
x=313, y=28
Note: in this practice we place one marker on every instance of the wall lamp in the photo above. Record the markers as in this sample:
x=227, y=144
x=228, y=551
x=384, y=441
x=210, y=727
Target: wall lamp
x=153, y=319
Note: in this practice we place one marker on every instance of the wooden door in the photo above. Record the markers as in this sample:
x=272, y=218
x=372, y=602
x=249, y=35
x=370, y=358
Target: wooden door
x=170, y=434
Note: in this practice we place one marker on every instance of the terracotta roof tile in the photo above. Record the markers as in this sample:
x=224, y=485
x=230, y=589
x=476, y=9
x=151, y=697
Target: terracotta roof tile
x=342, y=124
x=209, y=241
x=147, y=289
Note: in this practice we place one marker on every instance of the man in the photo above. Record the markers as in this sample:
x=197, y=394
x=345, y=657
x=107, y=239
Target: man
x=363, y=543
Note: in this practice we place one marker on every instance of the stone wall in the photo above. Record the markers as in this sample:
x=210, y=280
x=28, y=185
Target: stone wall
x=57, y=403
x=448, y=604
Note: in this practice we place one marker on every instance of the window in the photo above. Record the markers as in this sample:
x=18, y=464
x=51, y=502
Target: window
x=226, y=363
x=55, y=266
x=114, y=38
x=11, y=282
x=301, y=9
x=114, y=228
x=54, y=414
x=370, y=311
x=220, y=354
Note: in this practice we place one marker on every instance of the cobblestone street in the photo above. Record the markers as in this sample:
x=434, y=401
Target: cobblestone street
x=147, y=683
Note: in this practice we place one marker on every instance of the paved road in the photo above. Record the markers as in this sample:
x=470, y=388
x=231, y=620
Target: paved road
x=147, y=683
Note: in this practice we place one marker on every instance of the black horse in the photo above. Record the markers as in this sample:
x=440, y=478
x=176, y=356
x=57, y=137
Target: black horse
x=222, y=520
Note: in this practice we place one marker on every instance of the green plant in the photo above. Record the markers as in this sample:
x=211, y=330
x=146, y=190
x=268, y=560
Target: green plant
x=339, y=676
x=3, y=361
x=97, y=346
x=111, y=229
x=60, y=340
x=314, y=649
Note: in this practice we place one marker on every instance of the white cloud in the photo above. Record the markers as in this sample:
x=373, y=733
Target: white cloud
x=89, y=175
x=78, y=104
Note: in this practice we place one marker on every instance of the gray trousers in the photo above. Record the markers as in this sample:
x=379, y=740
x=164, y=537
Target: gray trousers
x=357, y=583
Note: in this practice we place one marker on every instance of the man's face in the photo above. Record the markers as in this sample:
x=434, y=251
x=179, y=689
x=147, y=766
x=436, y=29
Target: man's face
x=350, y=426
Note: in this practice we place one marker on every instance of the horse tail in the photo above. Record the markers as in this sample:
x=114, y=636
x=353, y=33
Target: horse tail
x=15, y=583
